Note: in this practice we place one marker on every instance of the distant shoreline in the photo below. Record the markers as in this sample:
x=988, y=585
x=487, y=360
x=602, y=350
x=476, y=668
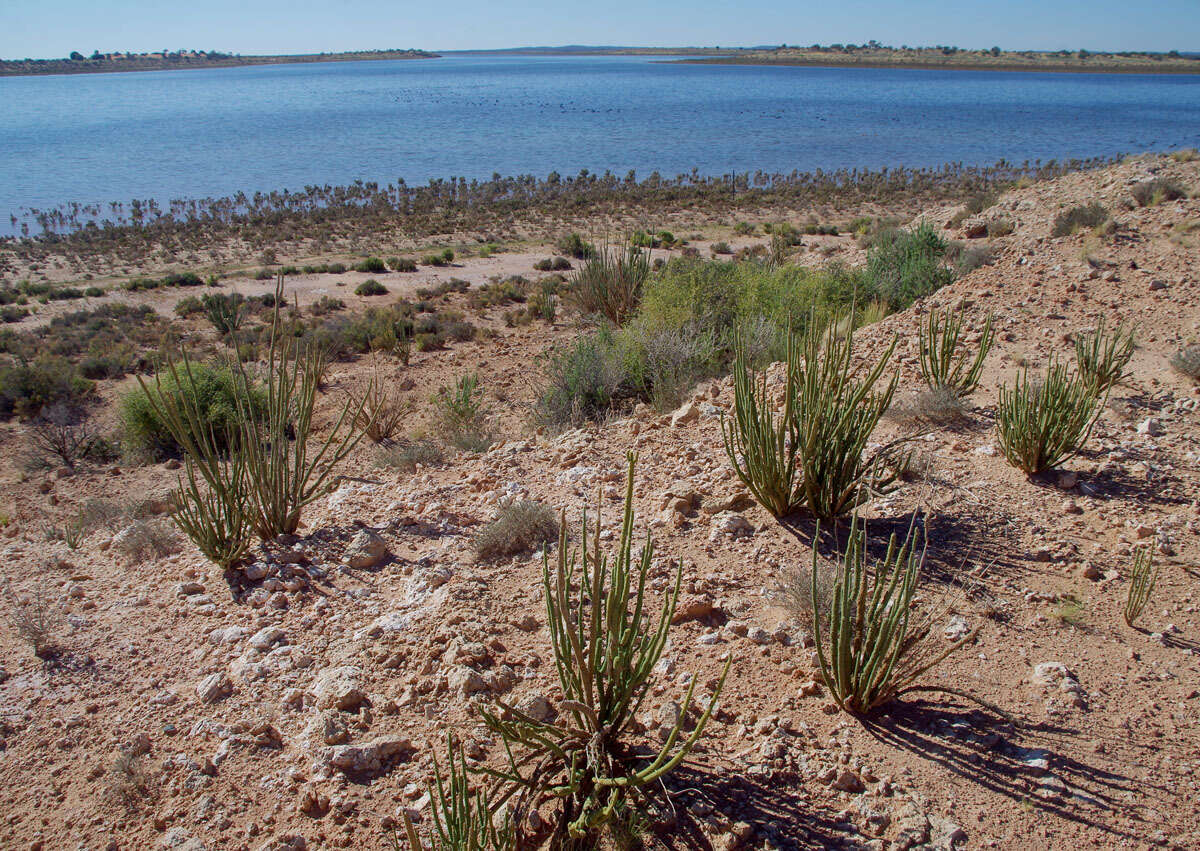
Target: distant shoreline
x=48, y=67
x=929, y=60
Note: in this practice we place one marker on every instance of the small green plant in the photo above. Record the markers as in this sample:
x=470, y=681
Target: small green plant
x=1143, y=574
x=1079, y=218
x=610, y=282
x=462, y=415
x=1186, y=361
x=1042, y=422
x=462, y=818
x=606, y=645
x=721, y=247
x=944, y=364
x=875, y=643
x=402, y=264
x=370, y=287
x=1102, y=357
x=216, y=393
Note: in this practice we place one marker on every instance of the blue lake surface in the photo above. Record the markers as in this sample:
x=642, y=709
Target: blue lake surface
x=214, y=132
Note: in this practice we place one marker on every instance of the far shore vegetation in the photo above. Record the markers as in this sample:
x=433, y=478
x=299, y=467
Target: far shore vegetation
x=876, y=55
x=173, y=60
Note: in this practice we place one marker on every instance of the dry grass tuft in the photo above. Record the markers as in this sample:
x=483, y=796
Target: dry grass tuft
x=518, y=528
x=939, y=406
x=146, y=540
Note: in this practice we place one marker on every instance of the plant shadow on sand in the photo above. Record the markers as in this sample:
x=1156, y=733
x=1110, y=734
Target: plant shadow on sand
x=955, y=544
x=789, y=819
x=1041, y=766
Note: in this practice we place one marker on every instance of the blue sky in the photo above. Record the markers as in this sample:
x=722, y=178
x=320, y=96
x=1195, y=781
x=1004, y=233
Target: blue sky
x=37, y=28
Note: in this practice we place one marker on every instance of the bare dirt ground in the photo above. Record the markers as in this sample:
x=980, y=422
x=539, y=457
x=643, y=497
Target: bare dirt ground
x=306, y=715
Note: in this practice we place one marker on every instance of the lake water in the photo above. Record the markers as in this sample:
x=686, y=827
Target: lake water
x=204, y=133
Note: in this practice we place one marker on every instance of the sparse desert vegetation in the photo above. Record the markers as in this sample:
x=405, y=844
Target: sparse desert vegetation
x=878, y=530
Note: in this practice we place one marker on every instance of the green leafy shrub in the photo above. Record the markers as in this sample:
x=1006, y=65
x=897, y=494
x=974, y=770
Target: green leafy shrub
x=326, y=305
x=370, y=287
x=402, y=264
x=903, y=266
x=573, y=245
x=28, y=386
x=553, y=264
x=720, y=247
x=583, y=378
x=1044, y=422
x=873, y=641
x=223, y=311
x=444, y=258
x=372, y=265
x=212, y=392
x=1079, y=218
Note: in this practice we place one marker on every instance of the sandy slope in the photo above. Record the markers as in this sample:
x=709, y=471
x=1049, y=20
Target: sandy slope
x=1102, y=749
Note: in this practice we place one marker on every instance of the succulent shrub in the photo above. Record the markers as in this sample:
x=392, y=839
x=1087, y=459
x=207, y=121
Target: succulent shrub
x=946, y=364
x=463, y=818
x=1143, y=575
x=811, y=454
x=286, y=468
x=1042, y=422
x=1101, y=357
x=606, y=644
x=873, y=642
x=462, y=416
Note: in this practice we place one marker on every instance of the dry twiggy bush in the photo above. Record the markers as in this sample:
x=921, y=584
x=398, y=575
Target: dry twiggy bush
x=36, y=618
